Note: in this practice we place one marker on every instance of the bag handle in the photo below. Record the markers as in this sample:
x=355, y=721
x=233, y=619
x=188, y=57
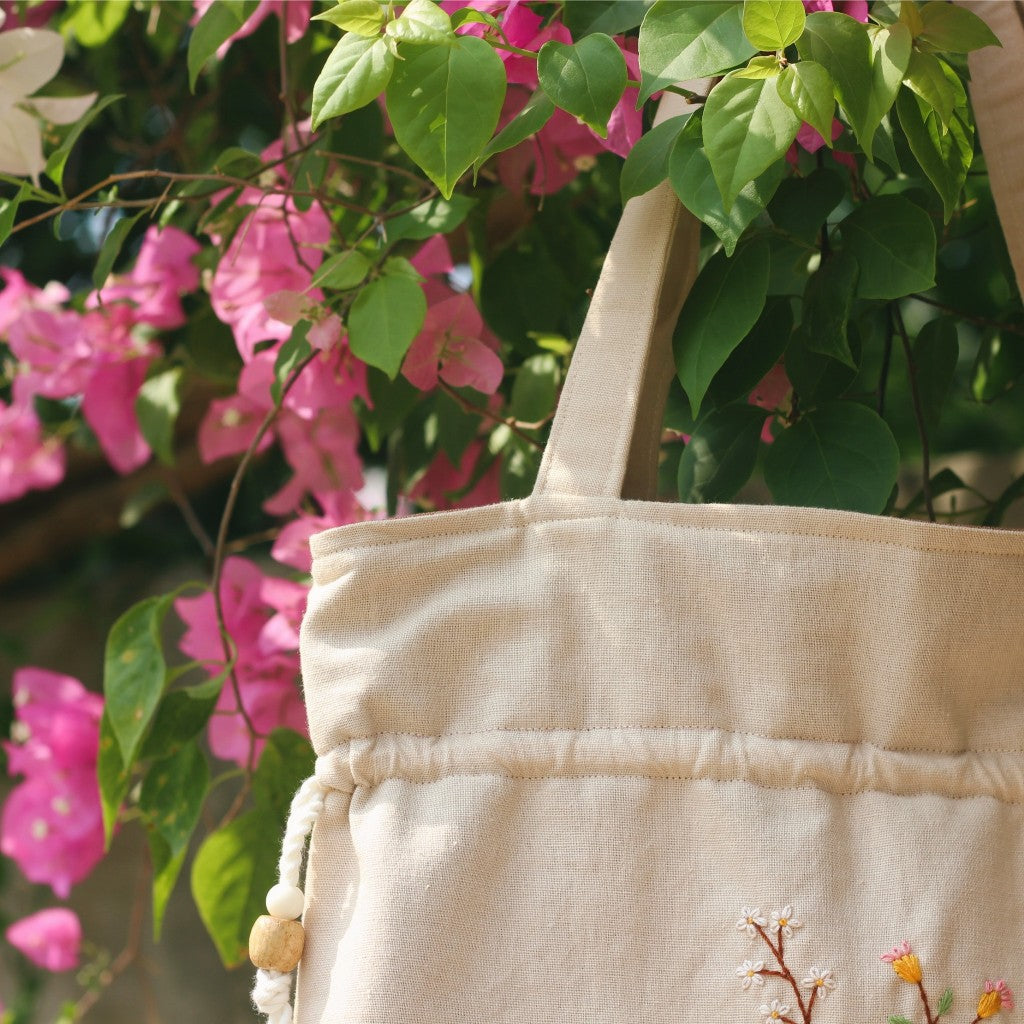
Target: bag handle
x=997, y=86
x=606, y=435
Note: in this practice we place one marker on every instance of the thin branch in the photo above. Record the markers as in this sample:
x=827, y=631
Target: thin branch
x=220, y=548
x=915, y=394
x=883, y=374
x=981, y=321
x=477, y=410
x=188, y=513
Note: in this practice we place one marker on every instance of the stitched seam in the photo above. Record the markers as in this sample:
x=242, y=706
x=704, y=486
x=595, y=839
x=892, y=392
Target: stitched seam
x=684, y=778
x=647, y=521
x=682, y=729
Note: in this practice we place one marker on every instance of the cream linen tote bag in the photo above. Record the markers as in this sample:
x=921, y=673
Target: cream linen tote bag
x=590, y=759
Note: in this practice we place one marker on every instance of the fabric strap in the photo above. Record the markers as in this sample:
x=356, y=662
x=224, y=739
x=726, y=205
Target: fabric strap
x=606, y=434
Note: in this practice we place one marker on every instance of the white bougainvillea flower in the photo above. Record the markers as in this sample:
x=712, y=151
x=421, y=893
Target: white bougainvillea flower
x=29, y=58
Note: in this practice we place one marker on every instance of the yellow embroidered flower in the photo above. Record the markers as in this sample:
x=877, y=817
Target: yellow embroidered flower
x=904, y=962
x=997, y=996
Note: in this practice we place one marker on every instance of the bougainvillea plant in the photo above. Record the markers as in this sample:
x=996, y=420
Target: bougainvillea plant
x=338, y=253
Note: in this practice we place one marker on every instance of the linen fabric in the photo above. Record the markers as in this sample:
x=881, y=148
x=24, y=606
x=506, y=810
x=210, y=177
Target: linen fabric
x=594, y=759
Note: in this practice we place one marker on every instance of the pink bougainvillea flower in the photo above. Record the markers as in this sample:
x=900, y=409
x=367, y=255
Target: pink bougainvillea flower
x=454, y=346
x=109, y=408
x=19, y=296
x=288, y=598
x=53, y=351
x=337, y=509
x=28, y=461
x=49, y=938
x=266, y=678
x=443, y=484
x=769, y=394
x=294, y=12
x=264, y=258
x=854, y=8
x=52, y=824
x=163, y=272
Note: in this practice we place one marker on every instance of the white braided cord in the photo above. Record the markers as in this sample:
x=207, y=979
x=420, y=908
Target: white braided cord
x=272, y=991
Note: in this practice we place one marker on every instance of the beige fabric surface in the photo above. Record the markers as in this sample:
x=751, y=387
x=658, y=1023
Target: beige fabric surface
x=570, y=738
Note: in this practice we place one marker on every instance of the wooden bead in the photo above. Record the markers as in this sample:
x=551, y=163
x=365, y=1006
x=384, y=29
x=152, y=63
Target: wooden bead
x=275, y=944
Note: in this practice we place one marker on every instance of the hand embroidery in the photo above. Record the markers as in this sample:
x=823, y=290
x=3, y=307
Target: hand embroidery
x=817, y=983
x=997, y=995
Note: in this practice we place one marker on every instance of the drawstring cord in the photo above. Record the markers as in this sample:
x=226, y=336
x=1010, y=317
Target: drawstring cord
x=276, y=941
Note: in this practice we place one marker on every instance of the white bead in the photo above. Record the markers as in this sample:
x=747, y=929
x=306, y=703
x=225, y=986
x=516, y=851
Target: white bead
x=285, y=901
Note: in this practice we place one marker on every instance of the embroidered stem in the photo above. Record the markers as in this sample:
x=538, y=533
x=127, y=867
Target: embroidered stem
x=924, y=999
x=785, y=973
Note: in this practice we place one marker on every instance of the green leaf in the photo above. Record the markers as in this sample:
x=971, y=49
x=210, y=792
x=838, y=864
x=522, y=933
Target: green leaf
x=58, y=159
x=725, y=302
x=806, y=88
x=954, y=29
x=535, y=388
x=356, y=73
x=364, y=17
x=1013, y=493
x=93, y=22
x=690, y=175
x=802, y=205
x=893, y=242
x=647, y=162
x=231, y=873
x=436, y=216
x=943, y=482
x=760, y=67
x=237, y=162
x=755, y=355
x=899, y=1020
x=421, y=23
x=134, y=672
x=156, y=408
x=944, y=156
x=181, y=716
x=773, y=24
x=721, y=454
x=926, y=77
x=9, y=211
x=818, y=378
x=841, y=45
x=999, y=365
x=840, y=455
x=613, y=17
x=111, y=249
x=891, y=48
x=289, y=355
x=286, y=762
x=828, y=300
x=166, y=870
x=385, y=318
x=685, y=39
x=344, y=270
x=220, y=22
x=444, y=104
x=587, y=78
x=527, y=122
x=172, y=795
x=945, y=1002
x=747, y=128
x=113, y=776
x=470, y=16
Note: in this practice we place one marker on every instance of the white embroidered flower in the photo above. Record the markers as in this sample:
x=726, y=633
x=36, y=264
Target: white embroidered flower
x=820, y=980
x=750, y=972
x=784, y=921
x=750, y=919
x=774, y=1010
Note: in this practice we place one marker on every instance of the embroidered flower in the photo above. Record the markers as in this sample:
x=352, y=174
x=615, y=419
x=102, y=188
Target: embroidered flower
x=820, y=980
x=750, y=920
x=784, y=921
x=750, y=972
x=774, y=1010
x=904, y=962
x=997, y=996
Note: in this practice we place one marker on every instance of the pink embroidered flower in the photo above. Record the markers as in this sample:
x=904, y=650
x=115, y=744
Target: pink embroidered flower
x=28, y=461
x=454, y=346
x=894, y=954
x=49, y=938
x=997, y=996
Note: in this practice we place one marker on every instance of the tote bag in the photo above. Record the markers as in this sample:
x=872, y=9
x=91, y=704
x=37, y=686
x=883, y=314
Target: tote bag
x=586, y=758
